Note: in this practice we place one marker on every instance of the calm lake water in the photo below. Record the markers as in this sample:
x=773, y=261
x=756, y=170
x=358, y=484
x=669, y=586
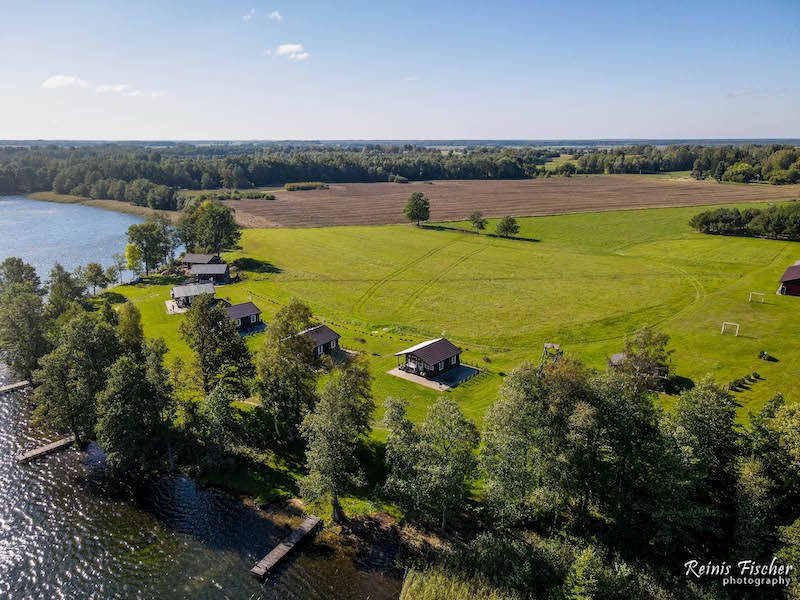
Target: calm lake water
x=42, y=233
x=70, y=530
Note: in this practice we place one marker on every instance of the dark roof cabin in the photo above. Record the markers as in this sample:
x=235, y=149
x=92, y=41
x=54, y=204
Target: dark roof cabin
x=185, y=294
x=216, y=272
x=430, y=358
x=790, y=281
x=246, y=315
x=190, y=259
x=324, y=340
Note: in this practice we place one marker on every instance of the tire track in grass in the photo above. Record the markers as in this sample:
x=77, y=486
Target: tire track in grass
x=438, y=277
x=362, y=300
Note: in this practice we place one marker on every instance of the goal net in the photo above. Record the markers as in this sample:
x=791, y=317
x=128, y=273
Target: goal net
x=731, y=328
x=756, y=297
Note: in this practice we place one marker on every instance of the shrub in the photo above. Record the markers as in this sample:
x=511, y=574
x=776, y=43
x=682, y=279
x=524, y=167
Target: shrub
x=305, y=185
x=400, y=179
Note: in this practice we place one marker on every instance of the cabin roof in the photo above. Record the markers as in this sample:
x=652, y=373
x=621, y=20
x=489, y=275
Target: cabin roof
x=432, y=351
x=192, y=289
x=208, y=269
x=197, y=259
x=791, y=274
x=321, y=334
x=240, y=311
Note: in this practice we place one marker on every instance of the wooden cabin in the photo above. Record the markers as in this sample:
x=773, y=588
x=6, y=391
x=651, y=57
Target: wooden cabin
x=324, y=340
x=184, y=295
x=189, y=259
x=246, y=315
x=218, y=273
x=790, y=281
x=430, y=358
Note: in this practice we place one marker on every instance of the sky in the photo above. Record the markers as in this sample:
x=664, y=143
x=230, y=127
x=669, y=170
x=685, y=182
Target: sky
x=434, y=69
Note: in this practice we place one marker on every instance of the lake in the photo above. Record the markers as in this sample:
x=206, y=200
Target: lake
x=69, y=529
x=43, y=233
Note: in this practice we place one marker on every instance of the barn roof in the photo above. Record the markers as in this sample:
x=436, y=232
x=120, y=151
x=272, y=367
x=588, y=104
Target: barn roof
x=197, y=259
x=240, y=311
x=321, y=334
x=791, y=274
x=193, y=289
x=208, y=269
x=433, y=351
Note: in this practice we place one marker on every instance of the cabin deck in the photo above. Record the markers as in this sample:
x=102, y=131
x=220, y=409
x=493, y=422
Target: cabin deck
x=270, y=561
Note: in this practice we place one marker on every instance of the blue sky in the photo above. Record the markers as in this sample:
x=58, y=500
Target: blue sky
x=401, y=70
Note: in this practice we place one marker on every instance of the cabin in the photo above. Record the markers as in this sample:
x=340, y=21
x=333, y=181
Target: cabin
x=790, y=281
x=189, y=259
x=246, y=315
x=184, y=295
x=324, y=340
x=430, y=358
x=218, y=273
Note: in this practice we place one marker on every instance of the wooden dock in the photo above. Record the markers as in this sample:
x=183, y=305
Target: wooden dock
x=270, y=561
x=14, y=386
x=45, y=450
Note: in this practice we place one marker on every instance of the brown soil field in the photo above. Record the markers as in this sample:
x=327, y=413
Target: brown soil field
x=382, y=203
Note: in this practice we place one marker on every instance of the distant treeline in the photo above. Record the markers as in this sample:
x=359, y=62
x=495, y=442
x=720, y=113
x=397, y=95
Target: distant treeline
x=149, y=177
x=773, y=163
x=780, y=222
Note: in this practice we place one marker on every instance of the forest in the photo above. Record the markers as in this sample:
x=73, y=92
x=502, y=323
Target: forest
x=776, y=222
x=152, y=176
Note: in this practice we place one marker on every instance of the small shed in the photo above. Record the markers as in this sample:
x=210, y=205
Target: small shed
x=324, y=340
x=184, y=295
x=790, y=281
x=246, y=315
x=189, y=259
x=430, y=358
x=217, y=272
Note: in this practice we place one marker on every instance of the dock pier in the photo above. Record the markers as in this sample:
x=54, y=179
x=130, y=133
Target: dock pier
x=45, y=450
x=14, y=386
x=271, y=560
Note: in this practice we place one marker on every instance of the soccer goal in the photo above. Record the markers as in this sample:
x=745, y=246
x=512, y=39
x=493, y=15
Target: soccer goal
x=759, y=297
x=731, y=325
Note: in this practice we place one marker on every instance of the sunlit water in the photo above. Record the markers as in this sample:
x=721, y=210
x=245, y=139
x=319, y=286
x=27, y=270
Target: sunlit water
x=69, y=529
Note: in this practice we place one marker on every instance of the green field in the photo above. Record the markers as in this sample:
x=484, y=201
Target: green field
x=582, y=280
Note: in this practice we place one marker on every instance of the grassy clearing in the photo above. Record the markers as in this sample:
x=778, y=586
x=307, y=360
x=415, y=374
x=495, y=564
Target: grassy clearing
x=115, y=205
x=584, y=280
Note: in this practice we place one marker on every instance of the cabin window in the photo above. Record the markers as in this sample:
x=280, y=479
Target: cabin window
x=452, y=360
x=333, y=344
x=252, y=318
x=238, y=322
x=319, y=350
x=441, y=365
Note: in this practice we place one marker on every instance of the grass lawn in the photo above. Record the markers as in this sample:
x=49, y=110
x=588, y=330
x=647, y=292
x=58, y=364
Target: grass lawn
x=583, y=280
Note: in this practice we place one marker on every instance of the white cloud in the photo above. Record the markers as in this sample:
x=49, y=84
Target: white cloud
x=123, y=89
x=276, y=16
x=62, y=81
x=742, y=92
x=249, y=16
x=294, y=52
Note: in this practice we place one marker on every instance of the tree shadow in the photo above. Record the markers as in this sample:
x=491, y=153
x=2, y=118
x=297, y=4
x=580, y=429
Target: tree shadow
x=170, y=280
x=463, y=230
x=254, y=265
x=113, y=297
x=677, y=384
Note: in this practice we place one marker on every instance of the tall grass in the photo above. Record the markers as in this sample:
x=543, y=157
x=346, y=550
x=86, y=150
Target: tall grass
x=436, y=583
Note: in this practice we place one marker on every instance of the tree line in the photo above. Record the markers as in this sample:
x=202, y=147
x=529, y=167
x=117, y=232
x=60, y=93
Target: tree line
x=778, y=221
x=772, y=163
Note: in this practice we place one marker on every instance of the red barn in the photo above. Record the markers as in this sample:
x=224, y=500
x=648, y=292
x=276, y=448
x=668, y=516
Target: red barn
x=790, y=282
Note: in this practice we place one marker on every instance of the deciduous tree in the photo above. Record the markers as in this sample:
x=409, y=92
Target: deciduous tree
x=418, y=208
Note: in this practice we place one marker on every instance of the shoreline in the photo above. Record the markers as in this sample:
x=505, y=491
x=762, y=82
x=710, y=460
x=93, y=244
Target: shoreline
x=110, y=205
